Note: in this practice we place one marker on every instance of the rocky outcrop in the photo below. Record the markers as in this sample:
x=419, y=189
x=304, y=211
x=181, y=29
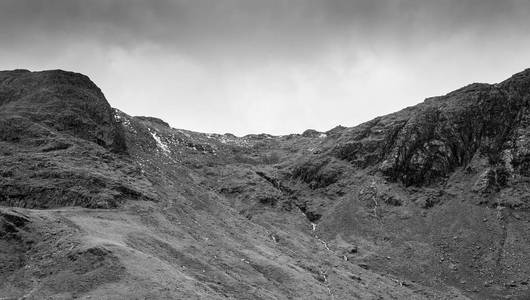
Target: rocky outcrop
x=61, y=144
x=59, y=101
x=431, y=202
x=423, y=144
x=317, y=173
x=154, y=120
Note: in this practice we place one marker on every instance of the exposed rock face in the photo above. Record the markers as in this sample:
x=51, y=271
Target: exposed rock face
x=422, y=144
x=61, y=101
x=154, y=120
x=431, y=202
x=59, y=141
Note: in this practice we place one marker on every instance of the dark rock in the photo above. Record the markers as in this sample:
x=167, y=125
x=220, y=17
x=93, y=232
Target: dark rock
x=492, y=179
x=17, y=219
x=321, y=277
x=11, y=222
x=392, y=200
x=355, y=277
x=318, y=173
x=364, y=266
x=422, y=144
x=153, y=120
x=63, y=101
x=311, y=133
x=268, y=200
x=353, y=250
x=61, y=133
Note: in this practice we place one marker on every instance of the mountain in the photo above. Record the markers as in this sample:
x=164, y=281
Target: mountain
x=431, y=202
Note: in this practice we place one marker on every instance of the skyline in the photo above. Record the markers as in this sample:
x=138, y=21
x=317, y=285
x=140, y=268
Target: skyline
x=275, y=67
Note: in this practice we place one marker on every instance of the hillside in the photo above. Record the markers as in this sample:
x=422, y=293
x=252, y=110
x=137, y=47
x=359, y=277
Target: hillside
x=431, y=202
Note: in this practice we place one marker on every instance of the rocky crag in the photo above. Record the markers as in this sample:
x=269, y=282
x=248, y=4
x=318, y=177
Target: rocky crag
x=431, y=202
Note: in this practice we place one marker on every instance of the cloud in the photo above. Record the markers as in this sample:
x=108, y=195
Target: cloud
x=274, y=66
x=270, y=29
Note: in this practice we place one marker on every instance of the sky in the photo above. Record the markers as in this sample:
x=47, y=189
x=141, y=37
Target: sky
x=273, y=66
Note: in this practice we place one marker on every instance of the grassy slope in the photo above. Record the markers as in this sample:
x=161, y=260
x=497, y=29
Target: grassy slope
x=191, y=215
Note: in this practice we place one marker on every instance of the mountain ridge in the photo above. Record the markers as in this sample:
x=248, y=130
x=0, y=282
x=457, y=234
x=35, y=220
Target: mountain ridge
x=429, y=202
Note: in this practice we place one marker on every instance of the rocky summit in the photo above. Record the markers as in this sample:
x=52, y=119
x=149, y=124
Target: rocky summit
x=431, y=202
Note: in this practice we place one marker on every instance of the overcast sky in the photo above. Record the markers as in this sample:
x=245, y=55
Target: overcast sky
x=275, y=66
